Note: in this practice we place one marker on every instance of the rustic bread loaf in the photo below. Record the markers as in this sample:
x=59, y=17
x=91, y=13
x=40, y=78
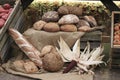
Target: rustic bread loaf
x=50, y=16
x=70, y=10
x=91, y=20
x=68, y=28
x=52, y=61
x=51, y=27
x=30, y=67
x=68, y=19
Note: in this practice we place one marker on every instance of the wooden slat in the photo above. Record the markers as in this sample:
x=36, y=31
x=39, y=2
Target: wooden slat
x=13, y=23
x=10, y=18
x=3, y=41
x=19, y=26
x=115, y=66
x=106, y=39
x=92, y=36
x=116, y=61
x=5, y=49
x=92, y=44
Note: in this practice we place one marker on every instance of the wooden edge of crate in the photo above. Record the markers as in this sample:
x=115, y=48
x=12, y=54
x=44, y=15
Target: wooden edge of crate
x=8, y=21
x=116, y=46
x=6, y=47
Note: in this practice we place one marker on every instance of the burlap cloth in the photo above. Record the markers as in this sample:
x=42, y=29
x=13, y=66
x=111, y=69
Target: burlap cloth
x=49, y=75
x=42, y=38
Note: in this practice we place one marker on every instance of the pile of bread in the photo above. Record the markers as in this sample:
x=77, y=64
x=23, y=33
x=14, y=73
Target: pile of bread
x=66, y=18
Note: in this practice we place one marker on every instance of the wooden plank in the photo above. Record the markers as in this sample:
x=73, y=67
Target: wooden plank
x=10, y=18
x=115, y=66
x=12, y=2
x=92, y=44
x=116, y=56
x=115, y=50
x=5, y=49
x=92, y=36
x=13, y=23
x=20, y=22
x=3, y=41
x=115, y=61
x=106, y=39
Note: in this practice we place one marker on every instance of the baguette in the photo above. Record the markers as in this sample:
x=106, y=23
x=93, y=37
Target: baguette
x=26, y=47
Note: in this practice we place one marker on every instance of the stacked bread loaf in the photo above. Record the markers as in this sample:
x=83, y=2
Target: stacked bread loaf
x=66, y=18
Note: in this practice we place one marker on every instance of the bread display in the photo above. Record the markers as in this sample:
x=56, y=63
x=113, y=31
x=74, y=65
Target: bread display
x=64, y=16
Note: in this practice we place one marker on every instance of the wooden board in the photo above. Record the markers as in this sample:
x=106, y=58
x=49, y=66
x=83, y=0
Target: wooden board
x=115, y=58
x=10, y=18
x=92, y=36
x=12, y=24
x=16, y=20
x=115, y=49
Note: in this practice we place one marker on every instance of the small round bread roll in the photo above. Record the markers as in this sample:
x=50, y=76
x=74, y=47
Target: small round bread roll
x=39, y=25
x=30, y=67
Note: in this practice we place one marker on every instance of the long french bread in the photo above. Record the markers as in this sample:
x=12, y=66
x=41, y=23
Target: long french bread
x=26, y=46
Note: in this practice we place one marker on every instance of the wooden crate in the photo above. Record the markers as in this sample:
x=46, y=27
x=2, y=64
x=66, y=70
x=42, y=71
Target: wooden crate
x=115, y=58
x=15, y=20
x=115, y=49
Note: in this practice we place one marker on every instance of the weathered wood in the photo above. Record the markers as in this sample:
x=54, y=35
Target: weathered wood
x=116, y=61
x=12, y=24
x=15, y=20
x=115, y=58
x=10, y=18
x=6, y=48
x=92, y=36
x=115, y=66
x=3, y=41
x=106, y=39
x=93, y=44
